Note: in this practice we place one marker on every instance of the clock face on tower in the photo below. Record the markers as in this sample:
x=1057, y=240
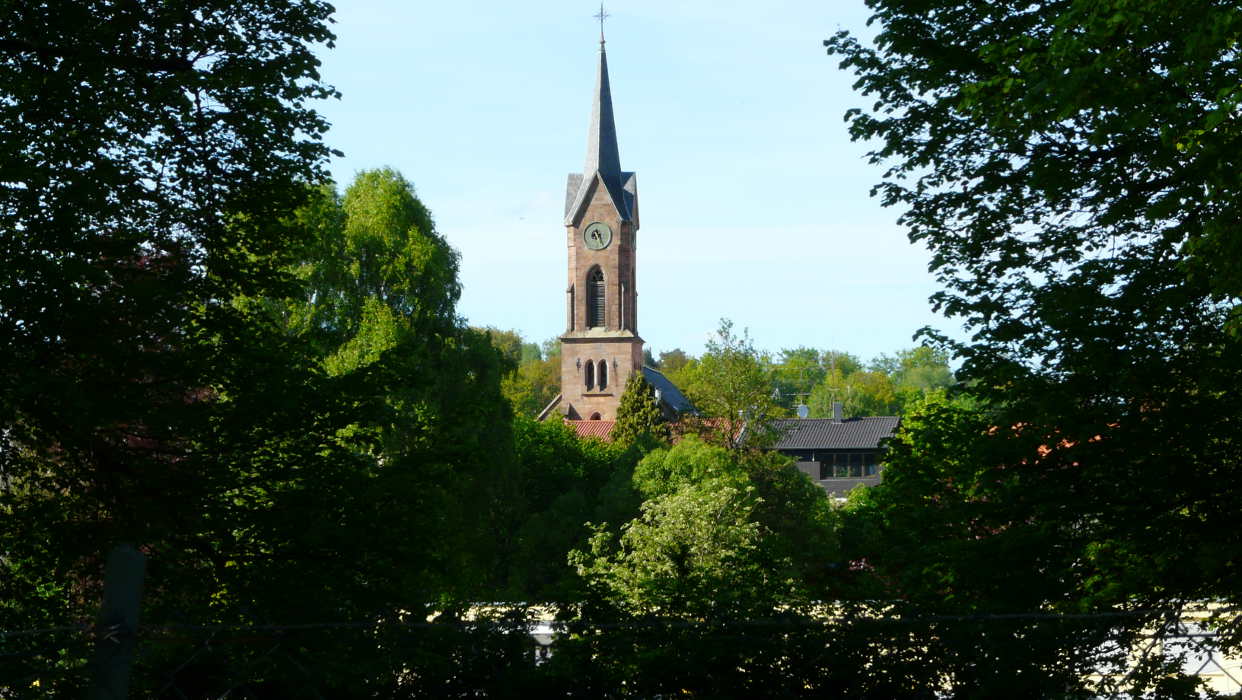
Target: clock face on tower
x=597, y=235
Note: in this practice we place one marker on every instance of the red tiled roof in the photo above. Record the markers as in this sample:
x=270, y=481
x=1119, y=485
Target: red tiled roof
x=601, y=429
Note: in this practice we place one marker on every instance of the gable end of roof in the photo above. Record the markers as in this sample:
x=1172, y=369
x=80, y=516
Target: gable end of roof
x=621, y=199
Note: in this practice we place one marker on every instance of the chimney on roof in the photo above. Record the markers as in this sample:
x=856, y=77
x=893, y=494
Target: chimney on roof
x=838, y=411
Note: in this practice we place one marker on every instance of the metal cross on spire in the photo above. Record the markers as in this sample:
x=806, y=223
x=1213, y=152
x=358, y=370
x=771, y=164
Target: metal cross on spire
x=601, y=16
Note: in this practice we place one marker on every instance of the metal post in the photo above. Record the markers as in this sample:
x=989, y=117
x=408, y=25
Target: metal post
x=116, y=631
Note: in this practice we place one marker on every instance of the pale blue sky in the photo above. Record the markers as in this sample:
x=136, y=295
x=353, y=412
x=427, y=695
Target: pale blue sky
x=754, y=202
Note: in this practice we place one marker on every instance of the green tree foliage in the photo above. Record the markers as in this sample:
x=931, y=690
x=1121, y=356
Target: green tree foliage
x=731, y=384
x=706, y=590
x=690, y=461
x=423, y=391
x=889, y=385
x=838, y=360
x=863, y=393
x=922, y=368
x=795, y=373
x=376, y=274
x=384, y=436
x=694, y=552
x=152, y=155
x=535, y=377
x=781, y=524
x=649, y=359
x=323, y=452
x=639, y=414
x=1070, y=166
x=510, y=345
x=941, y=534
x=677, y=367
x=531, y=352
x=562, y=482
x=672, y=361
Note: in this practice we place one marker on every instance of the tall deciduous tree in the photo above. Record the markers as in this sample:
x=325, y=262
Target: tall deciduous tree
x=672, y=361
x=694, y=552
x=1072, y=166
x=722, y=534
x=510, y=345
x=890, y=385
x=711, y=580
x=354, y=456
x=562, y=482
x=925, y=540
x=152, y=155
x=731, y=384
x=796, y=372
x=864, y=393
x=417, y=392
x=375, y=273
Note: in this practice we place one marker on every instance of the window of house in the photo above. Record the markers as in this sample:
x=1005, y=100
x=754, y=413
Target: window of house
x=590, y=375
x=602, y=376
x=849, y=465
x=595, y=298
x=840, y=465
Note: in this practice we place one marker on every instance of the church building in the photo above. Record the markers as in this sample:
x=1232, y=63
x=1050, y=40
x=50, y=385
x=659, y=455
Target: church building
x=601, y=348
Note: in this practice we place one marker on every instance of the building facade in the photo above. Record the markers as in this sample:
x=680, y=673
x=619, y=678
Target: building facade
x=837, y=453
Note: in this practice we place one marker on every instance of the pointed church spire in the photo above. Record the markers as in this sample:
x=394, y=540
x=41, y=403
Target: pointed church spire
x=602, y=156
x=602, y=153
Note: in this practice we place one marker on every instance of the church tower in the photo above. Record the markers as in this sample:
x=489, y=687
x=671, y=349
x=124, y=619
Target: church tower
x=601, y=347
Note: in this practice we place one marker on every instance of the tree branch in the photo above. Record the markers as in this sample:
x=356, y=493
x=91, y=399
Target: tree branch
x=127, y=62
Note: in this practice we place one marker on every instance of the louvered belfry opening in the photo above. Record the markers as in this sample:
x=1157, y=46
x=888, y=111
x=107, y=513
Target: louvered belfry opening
x=595, y=298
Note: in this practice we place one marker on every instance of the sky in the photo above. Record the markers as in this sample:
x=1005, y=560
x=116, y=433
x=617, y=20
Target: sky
x=755, y=203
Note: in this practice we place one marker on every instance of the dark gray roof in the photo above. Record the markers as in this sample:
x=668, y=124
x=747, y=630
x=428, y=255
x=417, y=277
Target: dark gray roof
x=669, y=393
x=603, y=157
x=828, y=434
x=602, y=152
x=578, y=191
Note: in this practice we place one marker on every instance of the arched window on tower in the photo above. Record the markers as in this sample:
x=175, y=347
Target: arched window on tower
x=602, y=375
x=595, y=298
x=590, y=375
